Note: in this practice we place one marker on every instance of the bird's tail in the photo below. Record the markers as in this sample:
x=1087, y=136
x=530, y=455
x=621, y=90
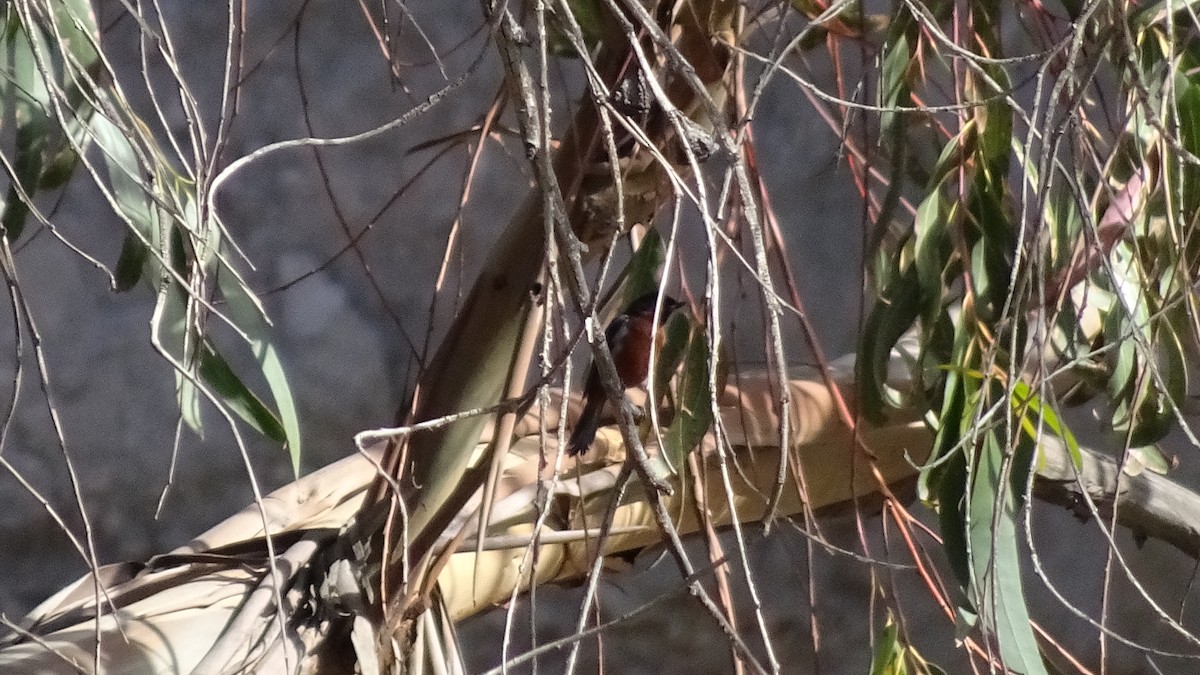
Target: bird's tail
x=585, y=429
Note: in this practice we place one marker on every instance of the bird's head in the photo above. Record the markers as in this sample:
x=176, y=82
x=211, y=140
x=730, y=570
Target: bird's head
x=644, y=306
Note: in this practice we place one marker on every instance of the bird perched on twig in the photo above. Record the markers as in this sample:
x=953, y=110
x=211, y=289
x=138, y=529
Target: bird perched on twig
x=629, y=338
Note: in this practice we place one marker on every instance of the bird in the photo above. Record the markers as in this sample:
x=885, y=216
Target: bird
x=629, y=337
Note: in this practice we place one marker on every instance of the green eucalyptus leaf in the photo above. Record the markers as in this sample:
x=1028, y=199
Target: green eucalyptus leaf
x=172, y=333
x=590, y=17
x=131, y=263
x=245, y=310
x=693, y=416
x=1065, y=222
x=1026, y=401
x=888, y=658
x=195, y=250
x=676, y=336
x=932, y=248
x=945, y=443
x=44, y=151
x=1171, y=359
x=218, y=375
x=1147, y=457
x=12, y=222
x=133, y=197
x=893, y=77
x=1187, y=105
x=22, y=84
x=994, y=127
x=966, y=618
x=1148, y=14
x=951, y=503
x=76, y=23
x=890, y=318
x=960, y=385
x=1123, y=369
x=32, y=139
x=1153, y=417
x=995, y=560
x=640, y=276
x=1024, y=456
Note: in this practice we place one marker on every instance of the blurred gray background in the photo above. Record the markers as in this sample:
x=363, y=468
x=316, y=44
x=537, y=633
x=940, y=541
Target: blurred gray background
x=341, y=331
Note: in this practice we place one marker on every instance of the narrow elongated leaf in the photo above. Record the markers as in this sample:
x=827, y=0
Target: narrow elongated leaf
x=893, y=77
x=128, y=190
x=1187, y=104
x=676, y=338
x=130, y=263
x=995, y=561
x=76, y=23
x=44, y=152
x=958, y=388
x=1148, y=14
x=23, y=89
x=1172, y=364
x=888, y=658
x=217, y=374
x=932, y=247
x=890, y=319
x=1025, y=399
x=951, y=496
x=590, y=18
x=246, y=311
x=171, y=330
x=191, y=254
x=639, y=276
x=694, y=411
